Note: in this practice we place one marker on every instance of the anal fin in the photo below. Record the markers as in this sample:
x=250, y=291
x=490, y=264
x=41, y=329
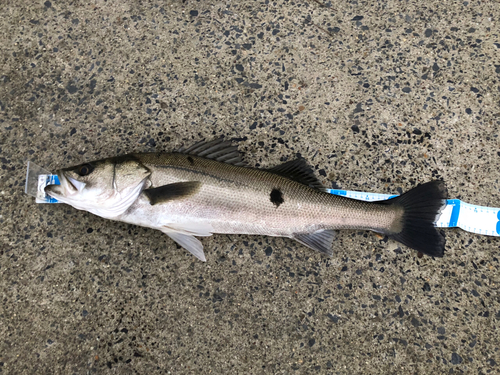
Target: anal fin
x=320, y=240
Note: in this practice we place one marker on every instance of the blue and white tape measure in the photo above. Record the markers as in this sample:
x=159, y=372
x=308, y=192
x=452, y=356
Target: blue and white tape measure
x=471, y=218
x=45, y=180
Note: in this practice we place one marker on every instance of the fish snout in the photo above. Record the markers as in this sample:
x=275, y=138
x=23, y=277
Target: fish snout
x=66, y=187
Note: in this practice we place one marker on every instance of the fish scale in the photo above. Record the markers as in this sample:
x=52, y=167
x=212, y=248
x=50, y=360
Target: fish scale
x=237, y=200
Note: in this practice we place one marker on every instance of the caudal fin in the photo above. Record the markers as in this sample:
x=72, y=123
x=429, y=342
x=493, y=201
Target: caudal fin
x=421, y=206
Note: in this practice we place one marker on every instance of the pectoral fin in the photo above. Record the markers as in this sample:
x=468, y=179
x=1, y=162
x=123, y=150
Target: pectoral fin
x=320, y=240
x=190, y=243
x=177, y=190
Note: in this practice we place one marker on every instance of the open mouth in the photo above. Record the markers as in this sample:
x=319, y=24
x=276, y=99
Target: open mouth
x=69, y=186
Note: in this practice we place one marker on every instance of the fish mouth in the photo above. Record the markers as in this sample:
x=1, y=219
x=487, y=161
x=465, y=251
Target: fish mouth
x=68, y=187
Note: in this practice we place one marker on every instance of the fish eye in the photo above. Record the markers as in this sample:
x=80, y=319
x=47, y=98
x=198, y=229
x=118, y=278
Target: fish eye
x=85, y=170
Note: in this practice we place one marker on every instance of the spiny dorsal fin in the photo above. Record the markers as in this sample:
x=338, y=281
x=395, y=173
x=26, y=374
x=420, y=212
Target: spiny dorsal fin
x=218, y=150
x=320, y=240
x=299, y=171
x=177, y=190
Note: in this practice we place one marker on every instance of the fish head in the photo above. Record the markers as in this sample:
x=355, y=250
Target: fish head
x=106, y=187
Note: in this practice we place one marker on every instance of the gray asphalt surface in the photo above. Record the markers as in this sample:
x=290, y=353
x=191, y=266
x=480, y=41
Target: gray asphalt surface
x=376, y=95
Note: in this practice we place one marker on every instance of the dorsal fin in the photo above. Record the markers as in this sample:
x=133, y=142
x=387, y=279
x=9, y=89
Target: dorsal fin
x=299, y=171
x=218, y=150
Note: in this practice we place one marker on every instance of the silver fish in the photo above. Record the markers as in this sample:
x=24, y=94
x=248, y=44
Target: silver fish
x=208, y=189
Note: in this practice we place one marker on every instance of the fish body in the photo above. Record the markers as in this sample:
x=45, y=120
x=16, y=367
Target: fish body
x=206, y=189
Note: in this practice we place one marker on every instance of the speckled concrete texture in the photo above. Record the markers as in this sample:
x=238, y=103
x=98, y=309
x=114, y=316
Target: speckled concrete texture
x=376, y=95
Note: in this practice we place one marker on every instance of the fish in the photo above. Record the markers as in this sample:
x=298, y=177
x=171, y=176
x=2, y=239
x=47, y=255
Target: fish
x=207, y=188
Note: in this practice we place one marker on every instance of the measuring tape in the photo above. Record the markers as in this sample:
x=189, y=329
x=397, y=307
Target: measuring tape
x=45, y=180
x=471, y=218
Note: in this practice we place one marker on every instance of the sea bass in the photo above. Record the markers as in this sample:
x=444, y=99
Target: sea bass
x=207, y=189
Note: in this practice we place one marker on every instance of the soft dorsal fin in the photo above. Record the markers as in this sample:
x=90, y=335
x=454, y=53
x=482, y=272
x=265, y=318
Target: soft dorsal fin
x=218, y=150
x=177, y=190
x=299, y=171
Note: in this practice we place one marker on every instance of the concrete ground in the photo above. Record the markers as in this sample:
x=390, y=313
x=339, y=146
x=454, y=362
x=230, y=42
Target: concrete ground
x=376, y=95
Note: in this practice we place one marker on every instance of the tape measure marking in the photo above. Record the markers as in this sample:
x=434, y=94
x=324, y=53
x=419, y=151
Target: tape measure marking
x=455, y=203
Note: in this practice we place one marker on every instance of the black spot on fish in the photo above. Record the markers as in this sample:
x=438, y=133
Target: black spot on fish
x=277, y=197
x=190, y=160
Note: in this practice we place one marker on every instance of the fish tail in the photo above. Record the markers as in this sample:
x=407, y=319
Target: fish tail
x=420, y=208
